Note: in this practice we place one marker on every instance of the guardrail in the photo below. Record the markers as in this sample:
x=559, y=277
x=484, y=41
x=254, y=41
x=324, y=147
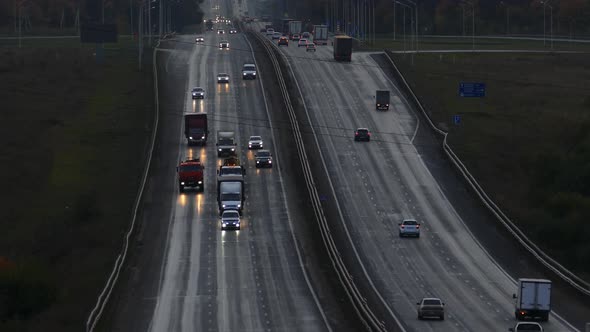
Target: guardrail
x=105, y=294
x=359, y=303
x=568, y=276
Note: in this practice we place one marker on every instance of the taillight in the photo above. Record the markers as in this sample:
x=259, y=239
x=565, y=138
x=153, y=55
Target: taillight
x=369, y=134
x=402, y=226
x=356, y=134
x=417, y=226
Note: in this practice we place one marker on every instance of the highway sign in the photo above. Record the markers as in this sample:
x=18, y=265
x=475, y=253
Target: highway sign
x=470, y=89
x=457, y=119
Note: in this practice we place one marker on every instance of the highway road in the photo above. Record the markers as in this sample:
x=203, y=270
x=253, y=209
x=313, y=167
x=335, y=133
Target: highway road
x=187, y=274
x=379, y=183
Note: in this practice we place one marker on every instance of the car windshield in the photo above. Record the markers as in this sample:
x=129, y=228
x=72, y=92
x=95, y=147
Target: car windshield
x=249, y=67
x=263, y=154
x=231, y=214
x=231, y=197
x=528, y=327
x=410, y=222
x=197, y=90
x=190, y=168
x=230, y=171
x=222, y=75
x=432, y=302
x=362, y=131
x=226, y=141
x=255, y=138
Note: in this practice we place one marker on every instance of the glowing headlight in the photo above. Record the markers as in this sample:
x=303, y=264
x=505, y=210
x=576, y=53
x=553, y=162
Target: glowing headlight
x=233, y=149
x=270, y=161
x=200, y=182
x=219, y=150
x=224, y=224
x=258, y=161
x=239, y=206
x=223, y=206
x=203, y=137
x=190, y=137
x=182, y=183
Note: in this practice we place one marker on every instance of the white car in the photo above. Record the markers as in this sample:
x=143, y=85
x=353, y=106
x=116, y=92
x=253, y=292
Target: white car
x=409, y=227
x=276, y=35
x=198, y=93
x=230, y=219
x=270, y=31
x=526, y=327
x=255, y=142
x=302, y=42
x=224, y=44
x=222, y=78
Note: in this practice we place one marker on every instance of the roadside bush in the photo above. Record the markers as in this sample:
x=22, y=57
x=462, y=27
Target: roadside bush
x=25, y=291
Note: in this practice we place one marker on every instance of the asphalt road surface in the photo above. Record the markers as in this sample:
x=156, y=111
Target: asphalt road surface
x=379, y=183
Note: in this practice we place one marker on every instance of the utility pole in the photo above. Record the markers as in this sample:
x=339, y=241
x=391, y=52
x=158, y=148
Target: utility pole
x=394, y=16
x=551, y=17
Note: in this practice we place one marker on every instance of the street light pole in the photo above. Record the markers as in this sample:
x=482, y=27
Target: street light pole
x=551, y=17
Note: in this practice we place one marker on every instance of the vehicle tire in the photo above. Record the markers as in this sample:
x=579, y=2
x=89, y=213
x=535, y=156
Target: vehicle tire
x=546, y=318
x=420, y=317
x=442, y=317
x=202, y=188
x=418, y=236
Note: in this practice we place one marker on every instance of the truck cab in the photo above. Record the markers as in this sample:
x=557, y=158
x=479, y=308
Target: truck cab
x=382, y=100
x=226, y=144
x=190, y=174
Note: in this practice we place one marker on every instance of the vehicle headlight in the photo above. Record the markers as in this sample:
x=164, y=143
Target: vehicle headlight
x=219, y=150
x=190, y=137
x=239, y=205
x=182, y=183
x=223, y=206
x=194, y=93
x=233, y=149
x=254, y=74
x=258, y=161
x=200, y=182
x=250, y=145
x=224, y=224
x=270, y=161
x=203, y=137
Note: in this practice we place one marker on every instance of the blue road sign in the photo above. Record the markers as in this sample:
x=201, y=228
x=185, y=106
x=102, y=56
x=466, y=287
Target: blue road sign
x=469, y=89
x=457, y=119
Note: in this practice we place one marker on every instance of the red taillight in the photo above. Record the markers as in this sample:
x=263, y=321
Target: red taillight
x=369, y=134
x=356, y=134
x=402, y=226
x=417, y=226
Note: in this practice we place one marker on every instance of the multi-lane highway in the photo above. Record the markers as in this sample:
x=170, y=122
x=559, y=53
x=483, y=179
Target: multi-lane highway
x=377, y=184
x=188, y=275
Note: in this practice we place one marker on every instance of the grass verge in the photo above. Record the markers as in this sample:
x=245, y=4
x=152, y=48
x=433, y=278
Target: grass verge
x=527, y=141
x=449, y=43
x=74, y=135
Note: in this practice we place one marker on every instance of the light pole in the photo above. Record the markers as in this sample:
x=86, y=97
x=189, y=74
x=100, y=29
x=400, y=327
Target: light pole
x=404, y=22
x=551, y=18
x=507, y=17
x=545, y=4
x=472, y=3
x=416, y=29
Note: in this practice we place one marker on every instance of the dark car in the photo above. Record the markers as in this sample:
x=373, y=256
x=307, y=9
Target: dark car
x=431, y=307
x=230, y=219
x=310, y=47
x=362, y=134
x=283, y=41
x=263, y=159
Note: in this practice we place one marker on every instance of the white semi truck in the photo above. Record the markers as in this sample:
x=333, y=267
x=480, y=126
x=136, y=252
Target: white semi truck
x=533, y=299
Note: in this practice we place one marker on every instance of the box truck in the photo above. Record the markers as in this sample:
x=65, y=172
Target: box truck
x=533, y=299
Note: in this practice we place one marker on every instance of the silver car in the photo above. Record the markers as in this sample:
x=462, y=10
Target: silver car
x=198, y=93
x=409, y=227
x=526, y=327
x=222, y=78
x=199, y=39
x=230, y=219
x=255, y=142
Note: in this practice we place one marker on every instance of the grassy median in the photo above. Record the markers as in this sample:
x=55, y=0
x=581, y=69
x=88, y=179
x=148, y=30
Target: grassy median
x=74, y=135
x=527, y=141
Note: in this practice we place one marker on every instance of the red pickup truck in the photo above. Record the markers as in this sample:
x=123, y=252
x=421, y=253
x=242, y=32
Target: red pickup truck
x=190, y=174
